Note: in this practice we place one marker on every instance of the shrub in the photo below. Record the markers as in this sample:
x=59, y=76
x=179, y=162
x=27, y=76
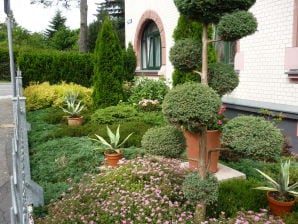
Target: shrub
x=44, y=95
x=130, y=63
x=148, y=89
x=254, y=137
x=222, y=78
x=147, y=105
x=185, y=55
x=113, y=114
x=165, y=141
x=192, y=104
x=236, y=25
x=144, y=190
x=238, y=194
x=4, y=64
x=180, y=77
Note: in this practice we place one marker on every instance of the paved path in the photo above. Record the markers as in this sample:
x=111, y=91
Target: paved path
x=6, y=131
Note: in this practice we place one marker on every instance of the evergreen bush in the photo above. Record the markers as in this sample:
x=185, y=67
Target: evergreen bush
x=254, y=137
x=191, y=104
x=130, y=63
x=222, y=78
x=164, y=141
x=4, y=64
x=180, y=77
x=108, y=68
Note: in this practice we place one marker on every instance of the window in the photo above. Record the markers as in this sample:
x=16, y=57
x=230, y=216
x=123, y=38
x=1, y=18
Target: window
x=225, y=52
x=151, y=47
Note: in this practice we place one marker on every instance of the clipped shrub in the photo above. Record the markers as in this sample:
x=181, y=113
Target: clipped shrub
x=55, y=67
x=4, y=64
x=180, y=77
x=254, y=137
x=44, y=95
x=191, y=104
x=113, y=114
x=148, y=89
x=222, y=78
x=164, y=141
x=233, y=26
x=142, y=190
x=237, y=194
x=185, y=55
x=130, y=63
x=199, y=191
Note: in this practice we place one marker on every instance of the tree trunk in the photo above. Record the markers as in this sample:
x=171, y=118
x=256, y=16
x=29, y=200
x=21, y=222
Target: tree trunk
x=83, y=26
x=204, y=79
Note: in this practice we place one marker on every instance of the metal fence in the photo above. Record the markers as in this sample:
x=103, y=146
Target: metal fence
x=24, y=191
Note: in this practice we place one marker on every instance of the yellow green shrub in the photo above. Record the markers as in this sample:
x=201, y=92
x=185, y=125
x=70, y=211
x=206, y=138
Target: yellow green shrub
x=44, y=95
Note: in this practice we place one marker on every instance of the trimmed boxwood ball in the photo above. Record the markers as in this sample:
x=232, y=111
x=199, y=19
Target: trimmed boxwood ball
x=191, y=104
x=222, y=78
x=185, y=55
x=165, y=141
x=236, y=25
x=253, y=137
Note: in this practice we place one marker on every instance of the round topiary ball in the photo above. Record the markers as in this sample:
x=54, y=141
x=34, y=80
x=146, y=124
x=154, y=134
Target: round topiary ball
x=185, y=55
x=222, y=78
x=165, y=141
x=253, y=137
x=234, y=26
x=199, y=191
x=191, y=104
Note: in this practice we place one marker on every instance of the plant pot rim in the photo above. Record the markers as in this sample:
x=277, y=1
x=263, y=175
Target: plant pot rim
x=76, y=117
x=270, y=197
x=115, y=154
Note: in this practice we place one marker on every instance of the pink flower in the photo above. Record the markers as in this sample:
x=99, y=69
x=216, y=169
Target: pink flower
x=219, y=122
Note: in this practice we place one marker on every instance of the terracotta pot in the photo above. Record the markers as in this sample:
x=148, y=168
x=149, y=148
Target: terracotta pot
x=113, y=159
x=192, y=149
x=75, y=121
x=279, y=207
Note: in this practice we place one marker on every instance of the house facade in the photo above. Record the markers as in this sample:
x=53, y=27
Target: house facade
x=267, y=61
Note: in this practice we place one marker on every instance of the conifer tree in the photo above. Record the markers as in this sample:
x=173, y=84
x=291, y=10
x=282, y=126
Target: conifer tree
x=108, y=68
x=57, y=23
x=130, y=63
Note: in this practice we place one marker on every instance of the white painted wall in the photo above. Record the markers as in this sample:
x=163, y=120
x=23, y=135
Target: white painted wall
x=169, y=15
x=263, y=77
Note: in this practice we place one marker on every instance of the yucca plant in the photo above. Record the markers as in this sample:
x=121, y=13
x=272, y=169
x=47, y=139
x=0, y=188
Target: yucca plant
x=73, y=108
x=114, y=145
x=282, y=184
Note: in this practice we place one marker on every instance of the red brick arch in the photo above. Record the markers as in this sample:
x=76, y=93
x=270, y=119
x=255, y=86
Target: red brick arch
x=148, y=16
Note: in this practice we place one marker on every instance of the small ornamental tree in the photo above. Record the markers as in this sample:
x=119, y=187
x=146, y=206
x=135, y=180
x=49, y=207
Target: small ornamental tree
x=130, y=63
x=108, y=68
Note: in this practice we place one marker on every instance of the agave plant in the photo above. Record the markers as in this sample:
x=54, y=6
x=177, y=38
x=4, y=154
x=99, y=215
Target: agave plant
x=282, y=184
x=114, y=145
x=72, y=108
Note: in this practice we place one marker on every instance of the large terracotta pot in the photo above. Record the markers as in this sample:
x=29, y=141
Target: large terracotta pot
x=75, y=121
x=113, y=159
x=192, y=149
x=279, y=207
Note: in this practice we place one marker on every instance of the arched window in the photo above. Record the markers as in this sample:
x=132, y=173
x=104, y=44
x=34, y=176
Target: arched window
x=151, y=47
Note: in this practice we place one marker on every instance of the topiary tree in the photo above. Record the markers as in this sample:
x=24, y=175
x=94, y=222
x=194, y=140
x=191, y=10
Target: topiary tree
x=165, y=141
x=108, y=68
x=253, y=137
x=222, y=78
x=233, y=24
x=130, y=63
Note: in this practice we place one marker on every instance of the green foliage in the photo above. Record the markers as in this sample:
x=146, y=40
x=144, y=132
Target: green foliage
x=148, y=89
x=185, y=55
x=44, y=95
x=164, y=141
x=4, y=64
x=237, y=194
x=234, y=26
x=64, y=39
x=191, y=104
x=187, y=28
x=199, y=191
x=210, y=11
x=180, y=77
x=130, y=63
x=114, y=114
x=254, y=137
x=57, y=23
x=73, y=108
x=108, y=68
x=55, y=67
x=222, y=78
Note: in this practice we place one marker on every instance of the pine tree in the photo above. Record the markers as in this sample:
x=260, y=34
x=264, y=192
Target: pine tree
x=58, y=22
x=108, y=68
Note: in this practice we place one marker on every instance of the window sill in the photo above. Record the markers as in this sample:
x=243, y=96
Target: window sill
x=150, y=73
x=292, y=73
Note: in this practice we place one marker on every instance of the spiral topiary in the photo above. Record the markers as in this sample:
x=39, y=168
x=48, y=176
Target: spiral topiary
x=253, y=137
x=185, y=55
x=165, y=141
x=222, y=78
x=236, y=25
x=191, y=104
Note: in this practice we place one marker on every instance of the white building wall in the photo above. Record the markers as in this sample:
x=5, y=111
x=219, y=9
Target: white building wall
x=169, y=15
x=263, y=77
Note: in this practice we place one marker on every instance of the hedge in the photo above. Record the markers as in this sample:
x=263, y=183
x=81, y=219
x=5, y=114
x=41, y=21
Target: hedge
x=4, y=64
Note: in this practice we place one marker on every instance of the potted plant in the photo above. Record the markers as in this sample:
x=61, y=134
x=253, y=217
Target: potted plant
x=73, y=108
x=112, y=149
x=280, y=196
